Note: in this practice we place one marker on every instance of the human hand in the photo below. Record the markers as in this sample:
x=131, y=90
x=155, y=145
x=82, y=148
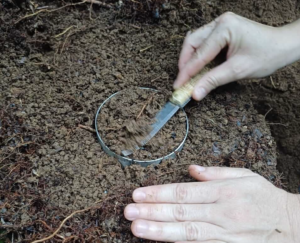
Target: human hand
x=232, y=205
x=254, y=50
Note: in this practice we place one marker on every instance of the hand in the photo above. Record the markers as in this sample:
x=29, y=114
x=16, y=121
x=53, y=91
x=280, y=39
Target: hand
x=254, y=50
x=232, y=206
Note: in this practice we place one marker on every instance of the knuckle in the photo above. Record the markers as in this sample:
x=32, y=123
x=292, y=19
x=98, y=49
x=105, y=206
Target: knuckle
x=236, y=214
x=151, y=212
x=181, y=193
x=192, y=231
x=247, y=172
x=180, y=213
x=227, y=17
x=239, y=70
x=212, y=81
x=218, y=171
x=200, y=52
x=229, y=193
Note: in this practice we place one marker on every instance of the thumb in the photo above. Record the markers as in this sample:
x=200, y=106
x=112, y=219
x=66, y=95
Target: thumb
x=218, y=173
x=223, y=74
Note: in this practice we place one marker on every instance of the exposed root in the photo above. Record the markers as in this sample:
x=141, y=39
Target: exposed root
x=60, y=8
x=64, y=221
x=144, y=107
x=145, y=49
x=65, y=31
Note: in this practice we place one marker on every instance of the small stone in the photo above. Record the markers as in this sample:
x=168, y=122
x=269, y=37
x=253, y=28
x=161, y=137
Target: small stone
x=225, y=122
x=89, y=155
x=244, y=129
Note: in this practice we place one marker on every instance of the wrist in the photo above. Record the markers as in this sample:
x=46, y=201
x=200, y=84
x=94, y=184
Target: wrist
x=289, y=44
x=293, y=208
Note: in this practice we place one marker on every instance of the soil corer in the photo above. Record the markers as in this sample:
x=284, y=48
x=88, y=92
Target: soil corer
x=125, y=161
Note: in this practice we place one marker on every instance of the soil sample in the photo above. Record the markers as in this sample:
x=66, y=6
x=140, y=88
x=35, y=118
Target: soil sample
x=126, y=119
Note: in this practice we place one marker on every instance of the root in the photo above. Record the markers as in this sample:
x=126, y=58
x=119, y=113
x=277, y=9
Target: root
x=98, y=3
x=144, y=107
x=87, y=128
x=68, y=5
x=65, y=31
x=268, y=112
x=272, y=82
x=145, y=49
x=65, y=220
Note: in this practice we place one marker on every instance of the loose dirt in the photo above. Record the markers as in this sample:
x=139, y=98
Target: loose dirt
x=58, y=66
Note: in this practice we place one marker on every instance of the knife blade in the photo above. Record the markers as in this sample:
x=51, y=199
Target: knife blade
x=179, y=99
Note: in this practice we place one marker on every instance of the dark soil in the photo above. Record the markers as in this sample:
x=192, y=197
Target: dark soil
x=57, y=67
x=126, y=119
x=280, y=96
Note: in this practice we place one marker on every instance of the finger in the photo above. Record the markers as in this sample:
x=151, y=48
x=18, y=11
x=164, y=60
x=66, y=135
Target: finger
x=193, y=41
x=172, y=232
x=210, y=241
x=218, y=173
x=231, y=70
x=178, y=193
x=173, y=212
x=208, y=50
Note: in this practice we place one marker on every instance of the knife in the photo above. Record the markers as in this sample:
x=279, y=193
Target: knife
x=178, y=99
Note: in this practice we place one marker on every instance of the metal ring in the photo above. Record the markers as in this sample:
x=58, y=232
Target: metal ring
x=127, y=161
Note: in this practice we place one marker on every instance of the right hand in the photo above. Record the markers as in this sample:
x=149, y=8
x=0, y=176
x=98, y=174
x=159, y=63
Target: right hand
x=254, y=51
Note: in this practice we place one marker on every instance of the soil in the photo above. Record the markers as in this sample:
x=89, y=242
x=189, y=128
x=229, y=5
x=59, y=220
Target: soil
x=126, y=119
x=59, y=65
x=279, y=94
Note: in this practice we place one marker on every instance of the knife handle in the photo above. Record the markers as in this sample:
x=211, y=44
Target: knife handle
x=183, y=95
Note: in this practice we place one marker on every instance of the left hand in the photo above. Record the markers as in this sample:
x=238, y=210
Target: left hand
x=232, y=206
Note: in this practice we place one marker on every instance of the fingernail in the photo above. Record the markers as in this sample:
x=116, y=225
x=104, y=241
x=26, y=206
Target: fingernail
x=132, y=212
x=200, y=168
x=138, y=195
x=200, y=93
x=141, y=228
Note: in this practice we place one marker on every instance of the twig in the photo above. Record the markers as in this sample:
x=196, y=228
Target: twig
x=45, y=224
x=144, y=106
x=155, y=79
x=145, y=49
x=87, y=128
x=69, y=238
x=135, y=26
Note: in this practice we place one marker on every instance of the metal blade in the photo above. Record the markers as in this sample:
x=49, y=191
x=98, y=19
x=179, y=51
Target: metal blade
x=162, y=117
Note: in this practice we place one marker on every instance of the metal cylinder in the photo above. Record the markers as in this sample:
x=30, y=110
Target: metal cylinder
x=125, y=161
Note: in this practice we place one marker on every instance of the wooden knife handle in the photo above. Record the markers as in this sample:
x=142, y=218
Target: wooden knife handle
x=182, y=95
